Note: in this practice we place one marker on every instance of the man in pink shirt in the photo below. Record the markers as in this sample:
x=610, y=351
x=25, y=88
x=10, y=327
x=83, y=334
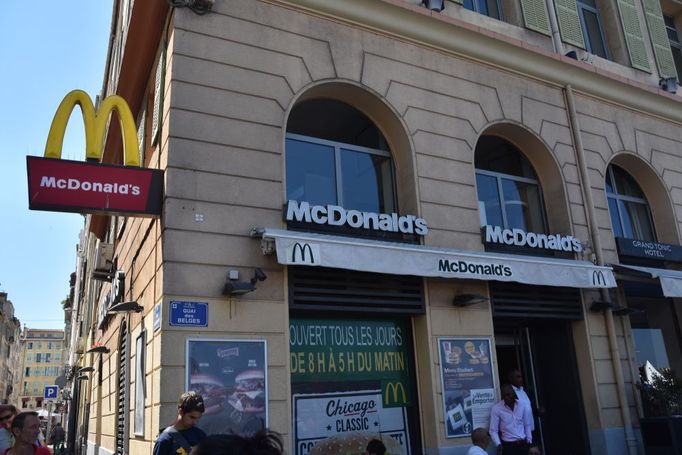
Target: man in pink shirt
x=510, y=424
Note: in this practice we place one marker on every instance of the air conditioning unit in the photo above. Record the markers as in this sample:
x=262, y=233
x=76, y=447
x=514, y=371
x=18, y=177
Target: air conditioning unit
x=104, y=264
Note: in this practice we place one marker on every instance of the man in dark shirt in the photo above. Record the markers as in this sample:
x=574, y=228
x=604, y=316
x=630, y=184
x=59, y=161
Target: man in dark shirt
x=179, y=438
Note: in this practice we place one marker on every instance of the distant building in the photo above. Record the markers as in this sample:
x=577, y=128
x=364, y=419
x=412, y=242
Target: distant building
x=10, y=351
x=42, y=361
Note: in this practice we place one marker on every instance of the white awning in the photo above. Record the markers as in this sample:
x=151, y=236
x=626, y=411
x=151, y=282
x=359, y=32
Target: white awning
x=671, y=280
x=321, y=250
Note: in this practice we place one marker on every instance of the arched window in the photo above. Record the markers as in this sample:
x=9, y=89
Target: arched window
x=629, y=210
x=336, y=155
x=508, y=189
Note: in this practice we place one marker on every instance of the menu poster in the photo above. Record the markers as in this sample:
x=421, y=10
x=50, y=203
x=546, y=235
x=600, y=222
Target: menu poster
x=467, y=383
x=231, y=376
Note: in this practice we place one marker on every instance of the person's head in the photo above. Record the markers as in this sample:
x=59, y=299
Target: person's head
x=26, y=427
x=190, y=409
x=480, y=437
x=375, y=447
x=515, y=377
x=508, y=394
x=534, y=450
x=6, y=416
x=264, y=442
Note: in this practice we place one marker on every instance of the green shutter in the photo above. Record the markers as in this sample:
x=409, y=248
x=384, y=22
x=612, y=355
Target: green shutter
x=633, y=35
x=659, y=39
x=569, y=22
x=535, y=15
x=158, y=98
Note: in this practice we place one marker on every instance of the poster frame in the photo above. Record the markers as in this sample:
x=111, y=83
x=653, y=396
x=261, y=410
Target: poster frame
x=226, y=341
x=439, y=340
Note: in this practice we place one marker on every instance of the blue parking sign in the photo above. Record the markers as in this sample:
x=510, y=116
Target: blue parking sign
x=51, y=392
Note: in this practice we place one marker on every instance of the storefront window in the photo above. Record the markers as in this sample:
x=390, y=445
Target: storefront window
x=656, y=333
x=629, y=210
x=508, y=189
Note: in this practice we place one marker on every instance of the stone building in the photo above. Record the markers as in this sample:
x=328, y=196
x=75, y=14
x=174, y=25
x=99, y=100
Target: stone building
x=10, y=351
x=42, y=362
x=374, y=210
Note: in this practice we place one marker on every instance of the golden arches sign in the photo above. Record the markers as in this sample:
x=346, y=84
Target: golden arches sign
x=95, y=122
x=394, y=394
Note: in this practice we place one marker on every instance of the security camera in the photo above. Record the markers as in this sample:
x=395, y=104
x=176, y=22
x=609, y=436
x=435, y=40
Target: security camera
x=258, y=275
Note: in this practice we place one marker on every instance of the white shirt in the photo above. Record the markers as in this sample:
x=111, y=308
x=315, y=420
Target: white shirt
x=523, y=399
x=512, y=425
x=476, y=450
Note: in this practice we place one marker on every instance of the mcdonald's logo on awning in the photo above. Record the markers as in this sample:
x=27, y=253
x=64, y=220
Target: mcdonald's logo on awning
x=88, y=187
x=302, y=253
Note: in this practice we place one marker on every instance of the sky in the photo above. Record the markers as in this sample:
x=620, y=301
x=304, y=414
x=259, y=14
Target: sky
x=47, y=48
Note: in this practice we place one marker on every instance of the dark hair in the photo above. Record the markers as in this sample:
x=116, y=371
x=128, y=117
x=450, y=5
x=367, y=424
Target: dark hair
x=20, y=419
x=376, y=447
x=190, y=401
x=13, y=409
x=264, y=442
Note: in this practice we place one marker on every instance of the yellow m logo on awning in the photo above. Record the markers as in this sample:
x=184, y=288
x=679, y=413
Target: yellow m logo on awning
x=95, y=122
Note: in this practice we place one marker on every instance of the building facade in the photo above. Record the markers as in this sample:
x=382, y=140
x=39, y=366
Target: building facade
x=10, y=351
x=42, y=362
x=374, y=210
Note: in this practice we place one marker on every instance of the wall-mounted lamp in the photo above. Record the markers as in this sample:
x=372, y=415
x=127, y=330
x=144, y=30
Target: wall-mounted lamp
x=600, y=305
x=199, y=7
x=434, y=5
x=626, y=311
x=124, y=307
x=669, y=84
x=100, y=349
x=83, y=377
x=463, y=300
x=86, y=370
x=236, y=287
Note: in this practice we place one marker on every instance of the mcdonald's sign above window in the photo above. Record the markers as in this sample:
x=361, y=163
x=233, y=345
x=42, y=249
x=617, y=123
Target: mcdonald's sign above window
x=92, y=187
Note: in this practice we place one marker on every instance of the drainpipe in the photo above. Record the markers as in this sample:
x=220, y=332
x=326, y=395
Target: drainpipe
x=554, y=28
x=606, y=297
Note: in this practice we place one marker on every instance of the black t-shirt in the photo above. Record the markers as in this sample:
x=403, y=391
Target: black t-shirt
x=165, y=444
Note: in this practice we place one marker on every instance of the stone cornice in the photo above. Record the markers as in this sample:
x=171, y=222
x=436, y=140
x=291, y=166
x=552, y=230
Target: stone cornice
x=446, y=34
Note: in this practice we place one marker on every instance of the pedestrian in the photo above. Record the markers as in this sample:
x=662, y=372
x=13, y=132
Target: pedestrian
x=6, y=438
x=179, y=438
x=510, y=424
x=25, y=428
x=480, y=438
x=375, y=447
x=264, y=442
x=516, y=380
x=57, y=436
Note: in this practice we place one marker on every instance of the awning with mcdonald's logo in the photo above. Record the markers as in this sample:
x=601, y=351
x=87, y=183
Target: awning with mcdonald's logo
x=322, y=250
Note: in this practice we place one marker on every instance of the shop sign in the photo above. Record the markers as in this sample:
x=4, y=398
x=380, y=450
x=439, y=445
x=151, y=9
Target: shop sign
x=521, y=238
x=231, y=376
x=349, y=350
x=87, y=187
x=649, y=250
x=468, y=384
x=334, y=215
x=350, y=418
x=189, y=314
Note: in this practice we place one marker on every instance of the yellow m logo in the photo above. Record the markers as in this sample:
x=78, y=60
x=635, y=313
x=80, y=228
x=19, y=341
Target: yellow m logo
x=95, y=123
x=394, y=394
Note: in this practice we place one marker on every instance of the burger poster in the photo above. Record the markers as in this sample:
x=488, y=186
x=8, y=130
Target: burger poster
x=231, y=376
x=467, y=383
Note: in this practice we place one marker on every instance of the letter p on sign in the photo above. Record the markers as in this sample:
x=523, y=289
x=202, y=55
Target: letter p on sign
x=51, y=392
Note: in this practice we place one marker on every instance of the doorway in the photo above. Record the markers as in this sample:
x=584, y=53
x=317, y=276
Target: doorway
x=543, y=350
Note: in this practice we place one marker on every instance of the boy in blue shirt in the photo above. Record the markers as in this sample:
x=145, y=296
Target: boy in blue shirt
x=179, y=438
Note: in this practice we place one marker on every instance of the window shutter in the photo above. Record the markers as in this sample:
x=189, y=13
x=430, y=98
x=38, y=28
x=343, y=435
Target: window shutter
x=121, y=416
x=535, y=15
x=158, y=98
x=633, y=35
x=569, y=22
x=141, y=131
x=659, y=39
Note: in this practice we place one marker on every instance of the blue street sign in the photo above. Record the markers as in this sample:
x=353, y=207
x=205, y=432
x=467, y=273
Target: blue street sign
x=157, y=317
x=51, y=392
x=193, y=314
